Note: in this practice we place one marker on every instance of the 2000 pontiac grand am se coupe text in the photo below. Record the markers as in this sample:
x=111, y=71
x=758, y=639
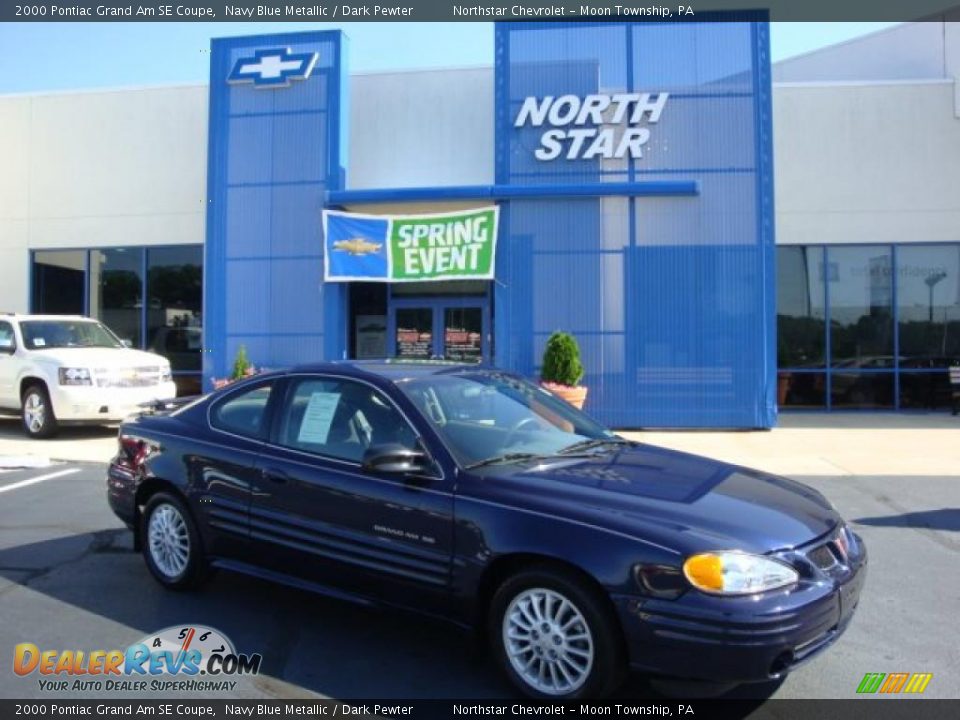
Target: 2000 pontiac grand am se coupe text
x=476, y=496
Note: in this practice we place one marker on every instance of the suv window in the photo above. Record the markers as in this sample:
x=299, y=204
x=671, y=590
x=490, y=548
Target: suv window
x=340, y=419
x=7, y=341
x=244, y=413
x=42, y=334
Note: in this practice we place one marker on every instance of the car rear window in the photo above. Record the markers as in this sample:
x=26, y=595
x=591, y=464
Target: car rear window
x=243, y=413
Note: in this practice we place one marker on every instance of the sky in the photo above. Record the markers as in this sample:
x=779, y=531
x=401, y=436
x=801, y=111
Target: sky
x=70, y=56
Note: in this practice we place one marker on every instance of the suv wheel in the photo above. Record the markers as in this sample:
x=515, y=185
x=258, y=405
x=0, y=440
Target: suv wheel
x=37, y=413
x=554, y=636
x=171, y=544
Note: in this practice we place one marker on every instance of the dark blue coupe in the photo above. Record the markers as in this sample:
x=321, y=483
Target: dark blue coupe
x=476, y=496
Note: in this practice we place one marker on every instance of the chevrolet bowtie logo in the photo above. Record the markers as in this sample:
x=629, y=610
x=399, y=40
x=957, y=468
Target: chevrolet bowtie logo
x=272, y=68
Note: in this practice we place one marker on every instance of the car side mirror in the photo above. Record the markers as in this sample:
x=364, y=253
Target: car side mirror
x=395, y=459
x=127, y=343
x=7, y=347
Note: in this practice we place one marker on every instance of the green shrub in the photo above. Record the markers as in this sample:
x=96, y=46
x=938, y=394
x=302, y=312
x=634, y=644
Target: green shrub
x=561, y=360
x=241, y=364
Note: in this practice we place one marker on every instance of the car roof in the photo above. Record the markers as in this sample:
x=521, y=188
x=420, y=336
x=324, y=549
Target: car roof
x=390, y=368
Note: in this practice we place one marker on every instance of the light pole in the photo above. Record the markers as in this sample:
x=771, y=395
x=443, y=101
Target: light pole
x=931, y=281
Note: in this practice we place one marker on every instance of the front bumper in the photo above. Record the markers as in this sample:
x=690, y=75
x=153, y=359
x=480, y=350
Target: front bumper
x=84, y=403
x=740, y=639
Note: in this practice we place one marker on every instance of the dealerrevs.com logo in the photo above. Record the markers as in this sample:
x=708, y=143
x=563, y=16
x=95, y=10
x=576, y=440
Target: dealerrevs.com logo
x=172, y=659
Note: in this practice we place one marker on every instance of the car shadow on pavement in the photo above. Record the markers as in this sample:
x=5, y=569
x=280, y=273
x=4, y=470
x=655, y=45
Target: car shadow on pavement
x=943, y=519
x=307, y=641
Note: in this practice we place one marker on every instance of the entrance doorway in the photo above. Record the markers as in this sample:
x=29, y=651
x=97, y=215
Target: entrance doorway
x=439, y=328
x=421, y=321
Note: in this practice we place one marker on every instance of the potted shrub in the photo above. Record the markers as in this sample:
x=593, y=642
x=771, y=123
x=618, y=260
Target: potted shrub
x=242, y=367
x=562, y=370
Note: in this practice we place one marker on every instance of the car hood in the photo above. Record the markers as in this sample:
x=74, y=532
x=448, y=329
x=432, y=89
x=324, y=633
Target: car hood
x=681, y=501
x=98, y=357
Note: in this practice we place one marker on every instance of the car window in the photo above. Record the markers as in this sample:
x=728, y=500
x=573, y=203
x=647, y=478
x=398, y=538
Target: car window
x=340, y=419
x=488, y=414
x=243, y=413
x=43, y=334
x=7, y=341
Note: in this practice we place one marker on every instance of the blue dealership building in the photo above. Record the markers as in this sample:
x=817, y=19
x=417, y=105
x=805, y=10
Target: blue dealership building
x=724, y=237
x=660, y=261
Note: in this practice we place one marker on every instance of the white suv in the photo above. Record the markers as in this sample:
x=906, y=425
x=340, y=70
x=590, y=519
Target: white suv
x=59, y=369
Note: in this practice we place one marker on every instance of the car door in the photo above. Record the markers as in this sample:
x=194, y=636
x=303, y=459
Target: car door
x=318, y=514
x=8, y=366
x=225, y=471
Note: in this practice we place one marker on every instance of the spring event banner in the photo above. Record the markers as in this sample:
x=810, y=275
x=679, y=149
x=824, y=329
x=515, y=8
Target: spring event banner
x=410, y=248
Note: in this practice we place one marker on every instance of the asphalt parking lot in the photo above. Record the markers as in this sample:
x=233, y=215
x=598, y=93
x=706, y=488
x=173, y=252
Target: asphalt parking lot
x=69, y=579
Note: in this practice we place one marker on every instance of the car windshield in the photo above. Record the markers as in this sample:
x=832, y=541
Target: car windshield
x=43, y=334
x=487, y=417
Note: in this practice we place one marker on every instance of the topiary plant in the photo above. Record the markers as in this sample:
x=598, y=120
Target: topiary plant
x=241, y=364
x=561, y=360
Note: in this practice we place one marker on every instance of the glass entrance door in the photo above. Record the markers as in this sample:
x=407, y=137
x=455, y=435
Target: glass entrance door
x=439, y=329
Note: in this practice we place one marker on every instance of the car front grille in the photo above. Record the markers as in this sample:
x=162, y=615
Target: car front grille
x=833, y=555
x=146, y=376
x=823, y=556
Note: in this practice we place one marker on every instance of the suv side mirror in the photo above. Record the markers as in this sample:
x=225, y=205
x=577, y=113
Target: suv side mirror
x=6, y=346
x=395, y=459
x=127, y=343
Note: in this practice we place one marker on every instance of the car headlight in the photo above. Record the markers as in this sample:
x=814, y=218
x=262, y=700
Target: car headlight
x=737, y=573
x=75, y=376
x=165, y=374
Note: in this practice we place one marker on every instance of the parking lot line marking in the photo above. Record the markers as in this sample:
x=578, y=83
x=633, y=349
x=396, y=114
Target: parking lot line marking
x=41, y=478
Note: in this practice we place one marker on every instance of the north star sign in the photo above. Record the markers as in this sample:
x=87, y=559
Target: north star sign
x=272, y=68
x=568, y=114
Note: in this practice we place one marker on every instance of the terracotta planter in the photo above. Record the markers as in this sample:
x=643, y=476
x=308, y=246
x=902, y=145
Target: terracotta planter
x=575, y=395
x=784, y=380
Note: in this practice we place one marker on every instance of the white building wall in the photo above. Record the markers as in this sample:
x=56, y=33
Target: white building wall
x=867, y=163
x=421, y=129
x=99, y=169
x=911, y=51
x=15, y=154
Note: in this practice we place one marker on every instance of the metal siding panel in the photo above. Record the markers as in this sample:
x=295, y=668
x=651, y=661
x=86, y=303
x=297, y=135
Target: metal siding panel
x=273, y=155
x=673, y=304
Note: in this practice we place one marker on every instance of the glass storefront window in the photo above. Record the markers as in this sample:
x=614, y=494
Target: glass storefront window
x=801, y=309
x=861, y=390
x=881, y=355
x=928, y=305
x=174, y=312
x=802, y=389
x=173, y=288
x=861, y=306
x=58, y=282
x=116, y=291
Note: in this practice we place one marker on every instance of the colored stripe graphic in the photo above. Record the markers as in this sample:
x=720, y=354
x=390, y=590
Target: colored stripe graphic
x=918, y=682
x=894, y=682
x=871, y=682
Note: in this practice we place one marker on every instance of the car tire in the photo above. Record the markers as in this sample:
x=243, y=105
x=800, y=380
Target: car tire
x=555, y=636
x=171, y=544
x=36, y=413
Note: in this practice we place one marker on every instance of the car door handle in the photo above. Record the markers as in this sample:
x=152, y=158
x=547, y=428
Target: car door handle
x=274, y=476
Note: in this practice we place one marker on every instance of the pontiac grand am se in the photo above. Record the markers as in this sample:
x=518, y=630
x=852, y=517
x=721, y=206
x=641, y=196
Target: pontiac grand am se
x=473, y=495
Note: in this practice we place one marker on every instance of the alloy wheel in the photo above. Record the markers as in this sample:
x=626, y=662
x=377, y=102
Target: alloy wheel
x=548, y=641
x=34, y=412
x=169, y=540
